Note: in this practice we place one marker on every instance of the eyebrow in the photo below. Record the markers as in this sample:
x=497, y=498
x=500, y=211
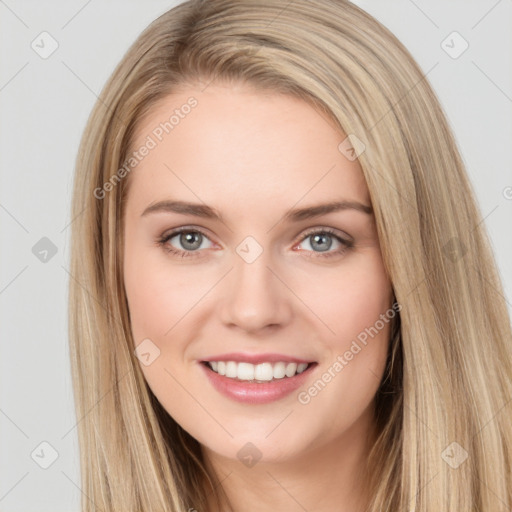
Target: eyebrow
x=295, y=215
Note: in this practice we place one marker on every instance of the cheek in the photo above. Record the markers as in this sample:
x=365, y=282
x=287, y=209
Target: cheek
x=150, y=306
x=166, y=303
x=159, y=301
x=355, y=308
x=159, y=294
x=350, y=298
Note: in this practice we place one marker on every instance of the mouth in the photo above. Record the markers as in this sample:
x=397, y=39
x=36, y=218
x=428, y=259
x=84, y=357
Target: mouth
x=257, y=378
x=260, y=383
x=261, y=373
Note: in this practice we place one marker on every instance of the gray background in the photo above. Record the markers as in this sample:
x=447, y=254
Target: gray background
x=44, y=105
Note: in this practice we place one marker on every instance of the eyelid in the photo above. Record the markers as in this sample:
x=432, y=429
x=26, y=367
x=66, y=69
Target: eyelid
x=180, y=229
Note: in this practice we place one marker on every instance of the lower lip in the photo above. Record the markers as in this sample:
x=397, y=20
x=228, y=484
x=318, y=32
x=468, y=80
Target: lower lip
x=254, y=392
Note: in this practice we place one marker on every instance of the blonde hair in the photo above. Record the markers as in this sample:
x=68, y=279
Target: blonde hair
x=449, y=372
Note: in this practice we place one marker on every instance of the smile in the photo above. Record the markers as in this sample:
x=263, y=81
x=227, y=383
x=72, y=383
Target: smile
x=260, y=383
x=264, y=372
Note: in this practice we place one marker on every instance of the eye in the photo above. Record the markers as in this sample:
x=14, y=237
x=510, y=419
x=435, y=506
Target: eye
x=190, y=239
x=321, y=240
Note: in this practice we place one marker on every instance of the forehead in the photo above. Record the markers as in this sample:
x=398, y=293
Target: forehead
x=234, y=146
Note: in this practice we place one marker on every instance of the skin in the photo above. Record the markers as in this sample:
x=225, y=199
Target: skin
x=253, y=156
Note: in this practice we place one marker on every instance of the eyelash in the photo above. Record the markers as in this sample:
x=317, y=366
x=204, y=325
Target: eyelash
x=346, y=244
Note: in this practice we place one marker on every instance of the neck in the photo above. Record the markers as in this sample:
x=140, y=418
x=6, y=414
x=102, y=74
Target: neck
x=324, y=477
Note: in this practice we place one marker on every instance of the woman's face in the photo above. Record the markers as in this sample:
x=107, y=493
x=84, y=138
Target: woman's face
x=259, y=275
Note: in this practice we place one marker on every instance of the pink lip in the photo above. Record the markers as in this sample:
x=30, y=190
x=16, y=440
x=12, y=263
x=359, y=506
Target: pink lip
x=254, y=392
x=239, y=357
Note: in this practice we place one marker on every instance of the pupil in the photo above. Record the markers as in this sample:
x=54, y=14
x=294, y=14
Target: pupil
x=322, y=238
x=190, y=240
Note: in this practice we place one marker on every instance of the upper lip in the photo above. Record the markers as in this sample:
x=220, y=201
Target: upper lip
x=240, y=357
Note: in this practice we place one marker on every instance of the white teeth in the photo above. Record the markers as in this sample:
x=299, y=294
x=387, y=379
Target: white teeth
x=231, y=369
x=279, y=370
x=301, y=367
x=291, y=369
x=264, y=372
x=245, y=371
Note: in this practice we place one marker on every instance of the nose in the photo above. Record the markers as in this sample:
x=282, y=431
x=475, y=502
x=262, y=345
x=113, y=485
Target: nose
x=255, y=298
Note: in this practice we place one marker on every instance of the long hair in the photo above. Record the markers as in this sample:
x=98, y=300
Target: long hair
x=445, y=436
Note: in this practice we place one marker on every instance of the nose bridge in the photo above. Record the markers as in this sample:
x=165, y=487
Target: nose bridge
x=254, y=298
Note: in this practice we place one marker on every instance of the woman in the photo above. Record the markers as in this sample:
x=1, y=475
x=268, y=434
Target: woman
x=220, y=360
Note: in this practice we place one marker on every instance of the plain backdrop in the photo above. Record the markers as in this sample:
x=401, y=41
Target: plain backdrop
x=44, y=105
